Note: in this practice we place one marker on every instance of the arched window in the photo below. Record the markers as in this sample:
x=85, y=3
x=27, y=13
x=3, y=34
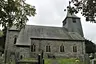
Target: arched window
x=15, y=39
x=33, y=48
x=62, y=48
x=48, y=48
x=74, y=48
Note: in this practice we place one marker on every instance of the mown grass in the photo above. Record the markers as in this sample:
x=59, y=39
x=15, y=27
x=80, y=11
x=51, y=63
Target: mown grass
x=29, y=59
x=48, y=61
x=63, y=61
x=56, y=61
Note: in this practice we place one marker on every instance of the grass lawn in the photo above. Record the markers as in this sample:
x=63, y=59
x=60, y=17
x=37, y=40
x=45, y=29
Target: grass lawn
x=62, y=61
x=56, y=61
x=29, y=59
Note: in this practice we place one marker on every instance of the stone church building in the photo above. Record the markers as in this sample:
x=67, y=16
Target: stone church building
x=66, y=41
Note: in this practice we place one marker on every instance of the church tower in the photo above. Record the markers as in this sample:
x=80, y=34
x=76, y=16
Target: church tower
x=72, y=23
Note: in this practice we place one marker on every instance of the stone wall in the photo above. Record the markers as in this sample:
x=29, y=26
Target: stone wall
x=55, y=48
x=23, y=51
x=9, y=44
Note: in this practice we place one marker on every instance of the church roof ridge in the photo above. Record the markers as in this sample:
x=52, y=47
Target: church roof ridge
x=14, y=27
x=45, y=26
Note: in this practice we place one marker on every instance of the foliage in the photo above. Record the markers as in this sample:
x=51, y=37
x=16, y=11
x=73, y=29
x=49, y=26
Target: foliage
x=90, y=47
x=87, y=8
x=15, y=12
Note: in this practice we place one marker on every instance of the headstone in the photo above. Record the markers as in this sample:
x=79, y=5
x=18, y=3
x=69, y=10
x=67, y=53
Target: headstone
x=39, y=58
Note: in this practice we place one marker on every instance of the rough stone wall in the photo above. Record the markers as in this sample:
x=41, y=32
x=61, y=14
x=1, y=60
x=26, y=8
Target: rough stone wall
x=23, y=51
x=9, y=44
x=55, y=48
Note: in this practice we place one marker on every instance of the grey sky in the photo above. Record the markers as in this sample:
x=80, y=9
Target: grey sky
x=51, y=13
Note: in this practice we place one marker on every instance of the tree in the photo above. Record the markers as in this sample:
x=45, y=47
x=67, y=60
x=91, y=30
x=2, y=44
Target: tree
x=15, y=12
x=87, y=8
x=90, y=47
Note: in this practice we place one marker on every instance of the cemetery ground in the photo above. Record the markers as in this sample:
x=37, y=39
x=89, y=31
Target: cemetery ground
x=54, y=61
x=57, y=60
x=63, y=61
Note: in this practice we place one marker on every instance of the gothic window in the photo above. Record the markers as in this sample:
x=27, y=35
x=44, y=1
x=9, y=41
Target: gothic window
x=33, y=48
x=15, y=38
x=48, y=48
x=74, y=20
x=74, y=48
x=62, y=48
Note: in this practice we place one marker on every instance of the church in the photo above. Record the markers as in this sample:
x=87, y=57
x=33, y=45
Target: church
x=61, y=42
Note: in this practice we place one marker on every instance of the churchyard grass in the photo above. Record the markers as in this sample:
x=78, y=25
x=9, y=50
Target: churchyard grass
x=62, y=61
x=29, y=59
x=56, y=61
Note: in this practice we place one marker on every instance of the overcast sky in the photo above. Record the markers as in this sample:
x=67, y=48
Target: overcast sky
x=51, y=13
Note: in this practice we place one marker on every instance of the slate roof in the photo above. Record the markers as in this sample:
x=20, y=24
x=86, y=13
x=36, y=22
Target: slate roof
x=32, y=31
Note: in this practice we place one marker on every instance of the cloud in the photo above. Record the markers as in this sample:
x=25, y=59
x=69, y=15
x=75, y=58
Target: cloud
x=51, y=13
x=88, y=29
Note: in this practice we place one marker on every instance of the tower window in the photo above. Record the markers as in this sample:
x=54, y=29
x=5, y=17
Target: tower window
x=62, y=48
x=48, y=48
x=74, y=48
x=15, y=39
x=33, y=48
x=74, y=20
